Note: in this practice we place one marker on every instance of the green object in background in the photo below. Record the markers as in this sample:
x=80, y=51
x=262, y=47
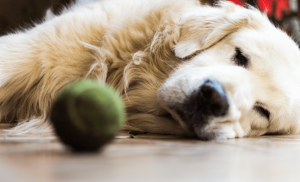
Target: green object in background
x=86, y=115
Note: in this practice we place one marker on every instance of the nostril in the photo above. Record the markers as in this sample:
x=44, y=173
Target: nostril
x=213, y=98
x=219, y=109
x=206, y=92
x=210, y=100
x=215, y=108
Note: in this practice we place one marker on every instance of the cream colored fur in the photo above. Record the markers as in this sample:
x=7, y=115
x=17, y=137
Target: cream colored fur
x=138, y=46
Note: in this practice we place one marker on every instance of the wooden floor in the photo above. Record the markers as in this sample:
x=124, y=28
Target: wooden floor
x=152, y=158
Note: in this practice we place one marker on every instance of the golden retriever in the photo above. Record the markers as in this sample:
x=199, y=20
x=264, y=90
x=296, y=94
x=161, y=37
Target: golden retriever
x=181, y=67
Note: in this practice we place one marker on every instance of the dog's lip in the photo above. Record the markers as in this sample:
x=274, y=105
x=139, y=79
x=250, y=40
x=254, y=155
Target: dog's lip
x=183, y=119
x=169, y=116
x=176, y=115
x=187, y=119
x=183, y=116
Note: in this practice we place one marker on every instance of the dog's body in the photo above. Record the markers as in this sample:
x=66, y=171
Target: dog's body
x=220, y=72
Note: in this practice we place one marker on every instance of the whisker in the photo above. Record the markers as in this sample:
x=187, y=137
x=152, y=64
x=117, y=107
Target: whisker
x=168, y=64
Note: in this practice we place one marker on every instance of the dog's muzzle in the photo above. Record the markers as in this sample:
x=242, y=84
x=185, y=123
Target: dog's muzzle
x=212, y=100
x=206, y=103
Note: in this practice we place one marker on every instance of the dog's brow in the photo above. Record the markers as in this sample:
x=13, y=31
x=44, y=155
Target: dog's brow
x=192, y=55
x=199, y=51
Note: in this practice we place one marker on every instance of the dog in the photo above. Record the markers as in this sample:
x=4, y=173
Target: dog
x=181, y=67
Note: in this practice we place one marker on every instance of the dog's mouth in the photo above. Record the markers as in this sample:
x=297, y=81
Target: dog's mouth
x=168, y=116
x=184, y=119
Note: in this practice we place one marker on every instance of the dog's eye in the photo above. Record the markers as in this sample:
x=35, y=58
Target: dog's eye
x=239, y=59
x=262, y=111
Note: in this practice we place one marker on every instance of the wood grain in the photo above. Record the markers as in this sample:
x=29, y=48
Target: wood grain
x=152, y=158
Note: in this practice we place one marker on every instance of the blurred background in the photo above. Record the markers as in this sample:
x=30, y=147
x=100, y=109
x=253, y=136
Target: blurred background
x=283, y=13
x=15, y=14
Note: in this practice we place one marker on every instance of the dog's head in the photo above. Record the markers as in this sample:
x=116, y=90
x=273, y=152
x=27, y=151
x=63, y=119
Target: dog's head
x=239, y=76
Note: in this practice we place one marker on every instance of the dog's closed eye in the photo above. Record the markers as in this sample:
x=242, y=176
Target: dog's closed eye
x=263, y=112
x=240, y=59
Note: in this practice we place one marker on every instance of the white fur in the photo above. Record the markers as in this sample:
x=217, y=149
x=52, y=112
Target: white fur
x=155, y=53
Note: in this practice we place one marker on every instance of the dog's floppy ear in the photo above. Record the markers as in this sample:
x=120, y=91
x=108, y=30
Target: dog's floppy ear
x=205, y=26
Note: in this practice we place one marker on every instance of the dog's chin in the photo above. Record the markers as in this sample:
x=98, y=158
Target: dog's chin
x=181, y=119
x=195, y=129
x=185, y=122
x=204, y=130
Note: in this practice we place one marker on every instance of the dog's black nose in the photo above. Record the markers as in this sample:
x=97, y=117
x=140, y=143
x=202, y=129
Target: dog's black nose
x=209, y=100
x=205, y=103
x=212, y=99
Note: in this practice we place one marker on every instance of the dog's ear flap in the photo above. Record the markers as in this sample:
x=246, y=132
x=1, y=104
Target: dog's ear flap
x=206, y=26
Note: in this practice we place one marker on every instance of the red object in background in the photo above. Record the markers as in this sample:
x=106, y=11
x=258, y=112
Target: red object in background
x=283, y=13
x=273, y=8
x=279, y=5
x=238, y=2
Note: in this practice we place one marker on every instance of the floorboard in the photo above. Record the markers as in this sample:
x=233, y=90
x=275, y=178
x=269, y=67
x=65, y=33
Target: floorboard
x=148, y=157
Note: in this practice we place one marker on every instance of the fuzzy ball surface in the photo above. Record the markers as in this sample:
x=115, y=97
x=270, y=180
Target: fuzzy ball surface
x=87, y=114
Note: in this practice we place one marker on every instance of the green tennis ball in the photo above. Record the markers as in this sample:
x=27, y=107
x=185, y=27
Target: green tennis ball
x=86, y=115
